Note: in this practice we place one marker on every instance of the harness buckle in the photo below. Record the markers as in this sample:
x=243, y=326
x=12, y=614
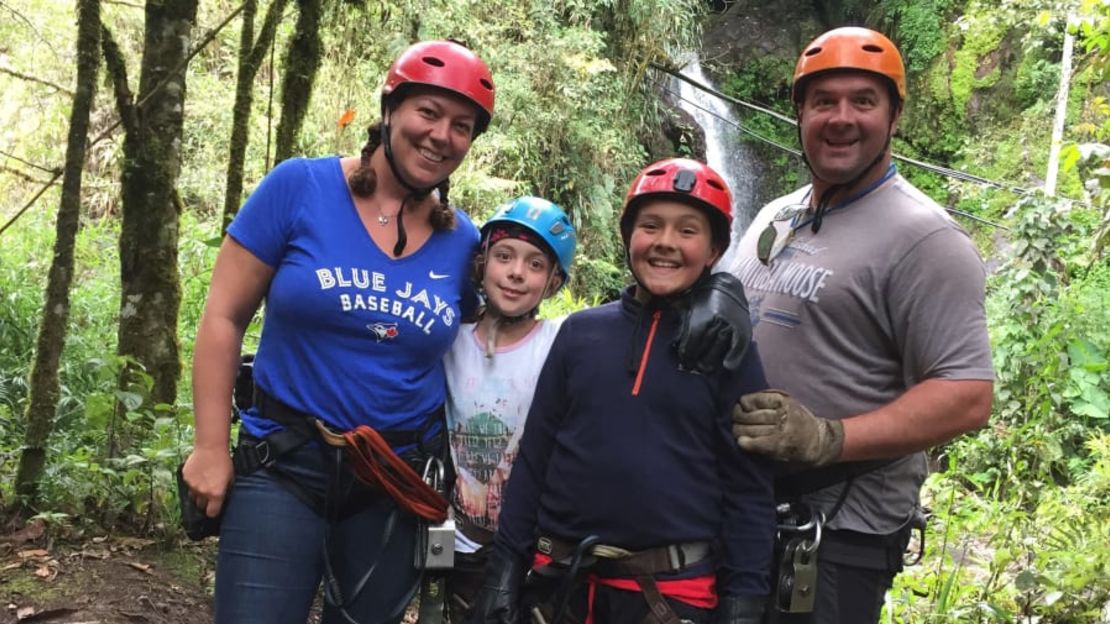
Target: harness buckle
x=676, y=556
x=263, y=454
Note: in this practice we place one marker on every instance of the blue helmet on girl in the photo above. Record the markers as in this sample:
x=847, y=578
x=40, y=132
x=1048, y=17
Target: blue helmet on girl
x=547, y=220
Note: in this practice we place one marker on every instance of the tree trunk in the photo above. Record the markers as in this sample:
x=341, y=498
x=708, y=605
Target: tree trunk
x=43, y=401
x=251, y=54
x=301, y=64
x=151, y=290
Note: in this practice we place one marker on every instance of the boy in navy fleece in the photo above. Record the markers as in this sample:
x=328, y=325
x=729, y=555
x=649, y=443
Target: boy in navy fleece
x=630, y=460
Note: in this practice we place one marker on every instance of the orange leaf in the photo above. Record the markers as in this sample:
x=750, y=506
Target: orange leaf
x=346, y=118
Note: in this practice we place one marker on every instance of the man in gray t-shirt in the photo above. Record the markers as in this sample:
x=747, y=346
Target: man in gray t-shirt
x=867, y=305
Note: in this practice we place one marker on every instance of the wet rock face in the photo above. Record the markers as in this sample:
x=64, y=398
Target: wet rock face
x=751, y=29
x=679, y=134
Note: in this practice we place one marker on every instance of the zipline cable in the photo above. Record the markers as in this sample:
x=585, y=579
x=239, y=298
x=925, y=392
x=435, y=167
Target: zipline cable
x=946, y=171
x=798, y=154
x=734, y=124
x=28, y=163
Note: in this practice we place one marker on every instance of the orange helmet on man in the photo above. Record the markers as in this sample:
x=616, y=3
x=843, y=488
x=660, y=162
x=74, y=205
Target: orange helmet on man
x=847, y=49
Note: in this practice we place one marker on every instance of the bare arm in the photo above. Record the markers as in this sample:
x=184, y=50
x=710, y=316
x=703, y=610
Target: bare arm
x=930, y=413
x=239, y=281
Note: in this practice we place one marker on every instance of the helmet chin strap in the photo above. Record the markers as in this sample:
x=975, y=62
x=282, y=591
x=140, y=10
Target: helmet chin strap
x=499, y=320
x=825, y=198
x=414, y=191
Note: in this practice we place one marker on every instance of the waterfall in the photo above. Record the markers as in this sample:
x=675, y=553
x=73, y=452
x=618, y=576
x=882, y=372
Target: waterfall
x=724, y=150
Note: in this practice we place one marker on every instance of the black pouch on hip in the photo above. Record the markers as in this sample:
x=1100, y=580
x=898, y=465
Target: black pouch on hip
x=194, y=521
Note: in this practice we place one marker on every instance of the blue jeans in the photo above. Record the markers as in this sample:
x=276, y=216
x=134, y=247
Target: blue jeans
x=272, y=550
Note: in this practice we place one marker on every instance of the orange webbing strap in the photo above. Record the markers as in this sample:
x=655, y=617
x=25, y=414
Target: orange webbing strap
x=375, y=463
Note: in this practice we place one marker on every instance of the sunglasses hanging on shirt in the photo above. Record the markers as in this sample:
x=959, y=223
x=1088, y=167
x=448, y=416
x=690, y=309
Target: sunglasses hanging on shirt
x=770, y=244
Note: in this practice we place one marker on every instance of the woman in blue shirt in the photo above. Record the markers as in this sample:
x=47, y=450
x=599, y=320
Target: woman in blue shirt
x=364, y=268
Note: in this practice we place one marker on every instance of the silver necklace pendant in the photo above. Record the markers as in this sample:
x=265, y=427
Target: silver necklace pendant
x=383, y=220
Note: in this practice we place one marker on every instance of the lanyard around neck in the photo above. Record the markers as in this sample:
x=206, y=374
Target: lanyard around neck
x=890, y=171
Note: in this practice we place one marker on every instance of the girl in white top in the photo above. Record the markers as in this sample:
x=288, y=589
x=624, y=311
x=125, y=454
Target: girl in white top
x=525, y=256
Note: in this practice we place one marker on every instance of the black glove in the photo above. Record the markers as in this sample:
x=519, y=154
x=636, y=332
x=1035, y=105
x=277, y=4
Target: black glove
x=498, y=600
x=739, y=610
x=717, y=328
x=194, y=520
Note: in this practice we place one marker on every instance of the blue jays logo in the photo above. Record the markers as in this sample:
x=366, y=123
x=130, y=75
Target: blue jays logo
x=383, y=331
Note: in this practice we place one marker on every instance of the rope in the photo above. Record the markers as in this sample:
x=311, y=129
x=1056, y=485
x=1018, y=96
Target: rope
x=376, y=464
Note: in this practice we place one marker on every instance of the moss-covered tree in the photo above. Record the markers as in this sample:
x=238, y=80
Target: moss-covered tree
x=251, y=54
x=52, y=331
x=302, y=61
x=151, y=291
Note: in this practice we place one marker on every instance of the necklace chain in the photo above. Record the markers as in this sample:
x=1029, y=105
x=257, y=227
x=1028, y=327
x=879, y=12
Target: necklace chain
x=383, y=219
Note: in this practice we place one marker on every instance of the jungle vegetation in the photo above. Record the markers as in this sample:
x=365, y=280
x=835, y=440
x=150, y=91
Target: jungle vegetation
x=130, y=132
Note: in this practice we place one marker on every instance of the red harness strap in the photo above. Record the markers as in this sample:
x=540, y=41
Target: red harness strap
x=697, y=591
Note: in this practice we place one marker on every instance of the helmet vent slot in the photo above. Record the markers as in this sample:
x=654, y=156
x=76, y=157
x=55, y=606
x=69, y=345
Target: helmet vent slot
x=870, y=47
x=813, y=51
x=715, y=184
x=485, y=83
x=431, y=60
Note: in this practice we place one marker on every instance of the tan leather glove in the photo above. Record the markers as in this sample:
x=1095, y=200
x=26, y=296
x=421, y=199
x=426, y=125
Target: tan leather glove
x=774, y=424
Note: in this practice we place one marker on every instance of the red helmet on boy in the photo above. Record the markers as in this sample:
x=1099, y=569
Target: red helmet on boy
x=688, y=181
x=447, y=65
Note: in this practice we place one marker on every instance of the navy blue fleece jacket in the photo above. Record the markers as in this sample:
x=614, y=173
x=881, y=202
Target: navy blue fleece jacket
x=622, y=445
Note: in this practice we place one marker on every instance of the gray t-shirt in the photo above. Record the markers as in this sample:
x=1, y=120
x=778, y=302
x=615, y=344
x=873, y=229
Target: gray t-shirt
x=888, y=293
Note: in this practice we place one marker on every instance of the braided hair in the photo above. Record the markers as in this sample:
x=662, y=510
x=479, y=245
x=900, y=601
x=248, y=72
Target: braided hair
x=364, y=181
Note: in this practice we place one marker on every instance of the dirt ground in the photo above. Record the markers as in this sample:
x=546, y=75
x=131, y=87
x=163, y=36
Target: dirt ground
x=109, y=580
x=104, y=580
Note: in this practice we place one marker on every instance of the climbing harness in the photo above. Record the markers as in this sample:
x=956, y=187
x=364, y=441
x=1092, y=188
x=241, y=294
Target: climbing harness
x=800, y=531
x=565, y=562
x=369, y=455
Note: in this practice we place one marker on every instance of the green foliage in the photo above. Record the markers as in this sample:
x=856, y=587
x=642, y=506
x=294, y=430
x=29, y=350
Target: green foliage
x=919, y=27
x=981, y=36
x=994, y=561
x=135, y=490
x=763, y=79
x=1036, y=76
x=1049, y=390
x=563, y=303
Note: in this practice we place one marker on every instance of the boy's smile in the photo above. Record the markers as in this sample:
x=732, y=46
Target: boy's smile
x=670, y=246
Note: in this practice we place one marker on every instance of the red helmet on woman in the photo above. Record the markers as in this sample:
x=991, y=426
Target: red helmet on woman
x=447, y=65
x=688, y=181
